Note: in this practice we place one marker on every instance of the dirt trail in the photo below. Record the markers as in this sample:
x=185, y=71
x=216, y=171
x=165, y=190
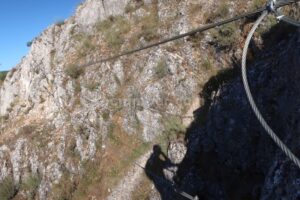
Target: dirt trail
x=129, y=183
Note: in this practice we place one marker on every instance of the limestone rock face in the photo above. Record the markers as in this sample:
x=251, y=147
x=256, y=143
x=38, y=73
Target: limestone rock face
x=92, y=11
x=58, y=115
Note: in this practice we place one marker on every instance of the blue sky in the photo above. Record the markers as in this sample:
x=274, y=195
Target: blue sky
x=22, y=20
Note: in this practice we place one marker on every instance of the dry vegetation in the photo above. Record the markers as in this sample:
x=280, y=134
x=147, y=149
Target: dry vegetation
x=74, y=71
x=7, y=188
x=110, y=165
x=114, y=29
x=104, y=172
x=226, y=36
x=2, y=77
x=161, y=69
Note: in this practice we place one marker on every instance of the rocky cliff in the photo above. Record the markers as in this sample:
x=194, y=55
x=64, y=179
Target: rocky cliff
x=72, y=131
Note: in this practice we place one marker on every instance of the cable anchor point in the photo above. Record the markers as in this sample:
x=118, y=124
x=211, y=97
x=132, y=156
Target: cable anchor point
x=271, y=6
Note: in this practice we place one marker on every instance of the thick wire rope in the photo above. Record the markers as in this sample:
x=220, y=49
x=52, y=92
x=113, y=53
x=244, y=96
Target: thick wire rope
x=193, y=32
x=280, y=16
x=198, y=30
x=254, y=107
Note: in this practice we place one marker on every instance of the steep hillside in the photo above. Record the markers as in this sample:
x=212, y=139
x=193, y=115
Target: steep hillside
x=70, y=130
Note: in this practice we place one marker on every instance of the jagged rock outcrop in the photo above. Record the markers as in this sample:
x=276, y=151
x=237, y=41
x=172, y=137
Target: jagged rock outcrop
x=64, y=125
x=55, y=114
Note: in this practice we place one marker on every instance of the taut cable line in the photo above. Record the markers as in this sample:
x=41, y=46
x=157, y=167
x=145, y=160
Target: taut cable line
x=193, y=32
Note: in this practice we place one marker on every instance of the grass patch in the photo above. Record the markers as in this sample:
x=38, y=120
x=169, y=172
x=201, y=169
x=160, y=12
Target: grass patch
x=173, y=127
x=133, y=6
x=105, y=172
x=8, y=189
x=114, y=29
x=92, y=85
x=91, y=177
x=269, y=22
x=207, y=65
x=161, y=69
x=2, y=76
x=74, y=71
x=222, y=11
x=59, y=23
x=149, y=26
x=105, y=115
x=80, y=186
x=65, y=189
x=86, y=44
x=31, y=184
x=225, y=37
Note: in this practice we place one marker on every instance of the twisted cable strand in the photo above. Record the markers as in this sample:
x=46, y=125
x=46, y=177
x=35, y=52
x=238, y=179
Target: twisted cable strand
x=259, y=116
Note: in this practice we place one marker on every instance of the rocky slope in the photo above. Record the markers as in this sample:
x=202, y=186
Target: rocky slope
x=72, y=132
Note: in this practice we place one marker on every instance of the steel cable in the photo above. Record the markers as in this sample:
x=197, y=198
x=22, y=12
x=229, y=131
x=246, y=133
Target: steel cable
x=254, y=107
x=280, y=16
x=193, y=32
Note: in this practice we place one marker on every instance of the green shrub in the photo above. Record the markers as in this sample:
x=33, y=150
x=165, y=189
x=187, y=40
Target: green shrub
x=221, y=11
x=91, y=176
x=114, y=29
x=129, y=8
x=77, y=87
x=31, y=184
x=2, y=77
x=60, y=23
x=111, y=134
x=29, y=43
x=225, y=36
x=173, y=126
x=269, y=22
x=150, y=25
x=161, y=69
x=87, y=46
x=74, y=71
x=105, y=115
x=92, y=85
x=86, y=43
x=207, y=65
x=8, y=189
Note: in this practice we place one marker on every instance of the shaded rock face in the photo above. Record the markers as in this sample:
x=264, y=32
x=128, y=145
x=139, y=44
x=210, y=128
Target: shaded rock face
x=231, y=156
